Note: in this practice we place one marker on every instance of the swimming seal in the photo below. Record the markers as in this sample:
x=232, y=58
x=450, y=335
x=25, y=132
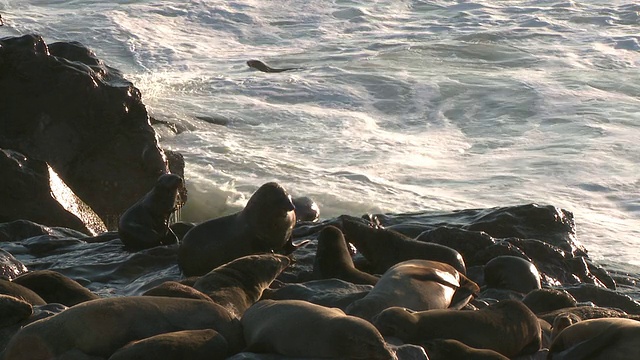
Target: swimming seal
x=239, y=284
x=333, y=259
x=598, y=339
x=417, y=285
x=259, y=65
x=101, y=327
x=508, y=327
x=264, y=225
x=146, y=223
x=297, y=328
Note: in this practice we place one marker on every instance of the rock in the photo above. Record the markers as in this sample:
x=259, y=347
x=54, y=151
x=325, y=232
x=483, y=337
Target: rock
x=10, y=267
x=29, y=189
x=65, y=107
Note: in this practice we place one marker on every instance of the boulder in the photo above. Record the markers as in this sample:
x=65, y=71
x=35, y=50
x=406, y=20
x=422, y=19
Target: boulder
x=62, y=105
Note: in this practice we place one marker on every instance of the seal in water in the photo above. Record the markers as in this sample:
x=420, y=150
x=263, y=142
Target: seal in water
x=259, y=65
x=146, y=223
x=264, y=225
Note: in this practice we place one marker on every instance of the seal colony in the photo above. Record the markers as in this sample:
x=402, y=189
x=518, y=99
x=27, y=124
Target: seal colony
x=392, y=297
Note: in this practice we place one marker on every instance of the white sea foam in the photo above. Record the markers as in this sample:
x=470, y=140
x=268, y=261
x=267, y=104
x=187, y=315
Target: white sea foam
x=398, y=106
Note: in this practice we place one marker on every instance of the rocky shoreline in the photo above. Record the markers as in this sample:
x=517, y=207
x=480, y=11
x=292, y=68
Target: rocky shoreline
x=77, y=150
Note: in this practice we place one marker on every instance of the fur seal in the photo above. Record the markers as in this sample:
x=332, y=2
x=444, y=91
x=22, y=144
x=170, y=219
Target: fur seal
x=544, y=300
x=448, y=349
x=205, y=344
x=20, y=292
x=54, y=287
x=239, y=284
x=264, y=225
x=385, y=248
x=259, y=65
x=333, y=259
x=101, y=327
x=511, y=273
x=306, y=209
x=417, y=285
x=298, y=328
x=146, y=223
x=176, y=289
x=561, y=322
x=13, y=310
x=508, y=327
x=598, y=339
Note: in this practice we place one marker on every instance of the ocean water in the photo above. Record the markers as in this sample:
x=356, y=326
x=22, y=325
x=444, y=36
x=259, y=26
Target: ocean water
x=397, y=106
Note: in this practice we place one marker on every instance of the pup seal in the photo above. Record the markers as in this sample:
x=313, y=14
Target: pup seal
x=508, y=327
x=264, y=225
x=146, y=223
x=333, y=259
x=418, y=285
x=239, y=284
x=101, y=327
x=385, y=248
x=598, y=339
x=259, y=65
x=298, y=328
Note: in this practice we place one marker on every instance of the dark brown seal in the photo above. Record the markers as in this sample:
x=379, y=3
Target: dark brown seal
x=508, y=327
x=511, y=273
x=264, y=225
x=333, y=259
x=598, y=339
x=259, y=65
x=54, y=287
x=146, y=223
x=384, y=248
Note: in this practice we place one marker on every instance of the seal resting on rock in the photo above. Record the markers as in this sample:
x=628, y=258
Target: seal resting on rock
x=20, y=292
x=101, y=327
x=511, y=273
x=146, y=223
x=176, y=289
x=239, y=284
x=306, y=209
x=333, y=259
x=508, y=327
x=54, y=287
x=205, y=344
x=13, y=310
x=417, y=285
x=264, y=225
x=297, y=328
x=598, y=339
x=449, y=349
x=385, y=248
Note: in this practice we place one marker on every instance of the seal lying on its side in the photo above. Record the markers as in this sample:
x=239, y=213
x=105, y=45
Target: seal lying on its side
x=146, y=223
x=264, y=225
x=333, y=259
x=100, y=327
x=298, y=328
x=508, y=327
x=418, y=285
x=598, y=339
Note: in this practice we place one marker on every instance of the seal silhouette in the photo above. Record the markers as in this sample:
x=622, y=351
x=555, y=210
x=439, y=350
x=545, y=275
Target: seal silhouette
x=146, y=223
x=417, y=285
x=259, y=65
x=297, y=328
x=264, y=225
x=511, y=273
x=333, y=259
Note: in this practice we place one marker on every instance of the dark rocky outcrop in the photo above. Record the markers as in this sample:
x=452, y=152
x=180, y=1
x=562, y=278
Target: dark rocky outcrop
x=62, y=105
x=29, y=190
